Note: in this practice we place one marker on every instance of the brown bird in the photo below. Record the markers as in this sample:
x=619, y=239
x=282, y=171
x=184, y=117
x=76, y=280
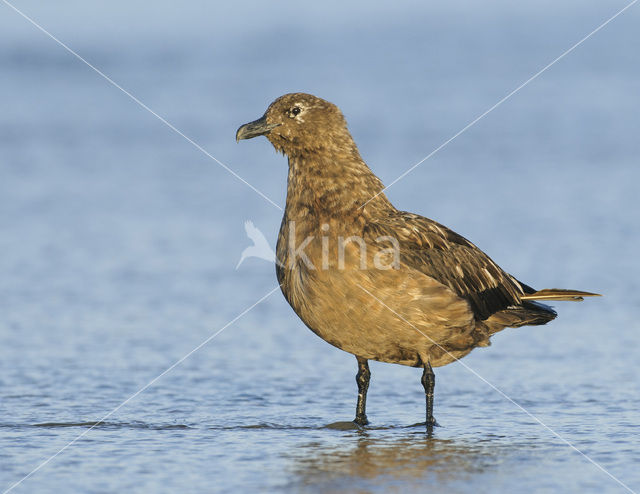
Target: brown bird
x=374, y=281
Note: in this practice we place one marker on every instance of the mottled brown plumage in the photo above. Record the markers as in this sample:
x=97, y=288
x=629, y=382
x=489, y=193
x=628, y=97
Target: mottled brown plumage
x=424, y=299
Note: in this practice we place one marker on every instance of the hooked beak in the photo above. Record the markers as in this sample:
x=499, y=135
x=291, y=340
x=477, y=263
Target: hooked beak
x=253, y=129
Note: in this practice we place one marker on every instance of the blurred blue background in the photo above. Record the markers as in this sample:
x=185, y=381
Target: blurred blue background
x=119, y=241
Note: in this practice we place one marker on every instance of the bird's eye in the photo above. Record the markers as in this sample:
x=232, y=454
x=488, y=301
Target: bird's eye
x=295, y=110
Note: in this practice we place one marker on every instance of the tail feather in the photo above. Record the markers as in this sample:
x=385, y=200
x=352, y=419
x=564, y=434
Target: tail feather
x=559, y=294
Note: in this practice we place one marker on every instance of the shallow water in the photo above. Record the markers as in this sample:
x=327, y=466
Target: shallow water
x=119, y=242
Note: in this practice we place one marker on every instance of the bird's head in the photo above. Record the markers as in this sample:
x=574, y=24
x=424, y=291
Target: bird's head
x=298, y=123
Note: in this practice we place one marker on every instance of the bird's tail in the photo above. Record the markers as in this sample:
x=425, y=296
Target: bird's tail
x=558, y=294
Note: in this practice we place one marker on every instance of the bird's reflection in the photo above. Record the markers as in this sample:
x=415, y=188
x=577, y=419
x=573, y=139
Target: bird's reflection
x=405, y=461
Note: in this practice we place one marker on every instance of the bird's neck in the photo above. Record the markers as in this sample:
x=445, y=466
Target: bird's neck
x=321, y=186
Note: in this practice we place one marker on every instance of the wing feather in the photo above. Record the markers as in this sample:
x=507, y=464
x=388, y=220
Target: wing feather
x=452, y=260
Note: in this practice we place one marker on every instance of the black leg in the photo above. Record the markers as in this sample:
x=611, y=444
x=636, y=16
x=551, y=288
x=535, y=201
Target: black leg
x=429, y=383
x=362, y=378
